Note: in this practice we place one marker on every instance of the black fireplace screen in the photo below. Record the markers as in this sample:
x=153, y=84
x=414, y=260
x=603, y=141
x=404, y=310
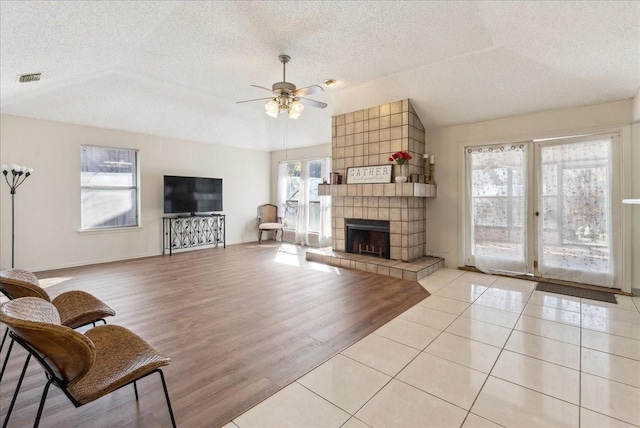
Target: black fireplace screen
x=367, y=237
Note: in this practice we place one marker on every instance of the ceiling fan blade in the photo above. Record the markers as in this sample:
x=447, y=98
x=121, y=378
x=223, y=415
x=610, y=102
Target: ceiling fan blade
x=309, y=90
x=312, y=103
x=257, y=99
x=262, y=87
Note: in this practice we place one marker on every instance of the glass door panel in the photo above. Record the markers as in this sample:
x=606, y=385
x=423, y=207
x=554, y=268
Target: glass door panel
x=574, y=218
x=498, y=193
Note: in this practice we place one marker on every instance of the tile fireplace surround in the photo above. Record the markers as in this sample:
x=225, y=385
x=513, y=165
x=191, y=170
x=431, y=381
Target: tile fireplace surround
x=367, y=138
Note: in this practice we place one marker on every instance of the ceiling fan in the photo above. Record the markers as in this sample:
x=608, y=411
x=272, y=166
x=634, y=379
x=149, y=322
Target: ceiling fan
x=286, y=98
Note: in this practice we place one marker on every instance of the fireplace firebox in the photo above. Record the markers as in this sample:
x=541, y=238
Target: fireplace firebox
x=369, y=237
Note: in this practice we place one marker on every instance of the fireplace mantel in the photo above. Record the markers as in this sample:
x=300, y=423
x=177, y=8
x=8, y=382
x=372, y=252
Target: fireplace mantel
x=416, y=190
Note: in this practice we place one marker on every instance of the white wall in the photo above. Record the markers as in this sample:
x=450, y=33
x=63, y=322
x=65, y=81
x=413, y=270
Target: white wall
x=443, y=212
x=636, y=107
x=48, y=204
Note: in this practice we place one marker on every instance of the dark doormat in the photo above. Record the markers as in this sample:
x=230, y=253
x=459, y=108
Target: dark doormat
x=584, y=293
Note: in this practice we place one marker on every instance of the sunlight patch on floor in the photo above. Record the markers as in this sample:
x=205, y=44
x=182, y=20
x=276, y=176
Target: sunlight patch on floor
x=288, y=255
x=50, y=282
x=323, y=268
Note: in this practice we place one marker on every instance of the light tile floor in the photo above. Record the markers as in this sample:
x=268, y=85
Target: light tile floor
x=481, y=351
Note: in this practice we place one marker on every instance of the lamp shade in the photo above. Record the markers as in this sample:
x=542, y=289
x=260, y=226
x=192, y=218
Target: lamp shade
x=272, y=108
x=295, y=110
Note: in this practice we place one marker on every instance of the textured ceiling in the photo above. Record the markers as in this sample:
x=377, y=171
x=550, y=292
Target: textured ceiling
x=176, y=69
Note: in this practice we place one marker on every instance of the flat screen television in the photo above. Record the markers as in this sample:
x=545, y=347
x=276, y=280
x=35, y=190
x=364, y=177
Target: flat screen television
x=193, y=195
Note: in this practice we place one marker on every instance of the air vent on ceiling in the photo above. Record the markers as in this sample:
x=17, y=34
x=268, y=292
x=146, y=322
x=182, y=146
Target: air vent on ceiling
x=26, y=78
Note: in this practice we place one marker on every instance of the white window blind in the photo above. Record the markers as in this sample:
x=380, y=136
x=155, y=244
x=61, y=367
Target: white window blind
x=109, y=187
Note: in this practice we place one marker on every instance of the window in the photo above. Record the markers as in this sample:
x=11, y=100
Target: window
x=304, y=212
x=293, y=188
x=109, y=187
x=292, y=192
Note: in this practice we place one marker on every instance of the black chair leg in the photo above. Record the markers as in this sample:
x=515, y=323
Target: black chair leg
x=42, y=400
x=166, y=395
x=6, y=359
x=135, y=388
x=15, y=394
x=4, y=338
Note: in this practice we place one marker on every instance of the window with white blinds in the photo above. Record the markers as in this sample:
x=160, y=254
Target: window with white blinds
x=109, y=187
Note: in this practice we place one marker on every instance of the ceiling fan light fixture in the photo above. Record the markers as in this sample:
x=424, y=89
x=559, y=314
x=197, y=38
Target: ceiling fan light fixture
x=272, y=108
x=287, y=96
x=295, y=110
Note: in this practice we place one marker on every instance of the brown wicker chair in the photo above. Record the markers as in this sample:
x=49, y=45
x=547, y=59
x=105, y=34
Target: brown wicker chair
x=269, y=221
x=84, y=366
x=76, y=308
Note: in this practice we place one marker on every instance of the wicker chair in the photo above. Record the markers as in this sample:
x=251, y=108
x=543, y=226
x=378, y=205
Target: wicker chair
x=76, y=308
x=84, y=366
x=268, y=220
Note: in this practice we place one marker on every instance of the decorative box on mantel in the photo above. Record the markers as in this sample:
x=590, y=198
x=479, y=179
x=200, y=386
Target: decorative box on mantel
x=416, y=190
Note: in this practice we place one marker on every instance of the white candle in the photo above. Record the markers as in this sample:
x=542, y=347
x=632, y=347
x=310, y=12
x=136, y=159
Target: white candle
x=426, y=156
x=432, y=159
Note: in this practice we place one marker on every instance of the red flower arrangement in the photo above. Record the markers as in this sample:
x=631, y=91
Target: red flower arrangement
x=400, y=157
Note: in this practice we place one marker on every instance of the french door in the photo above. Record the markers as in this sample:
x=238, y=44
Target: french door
x=545, y=208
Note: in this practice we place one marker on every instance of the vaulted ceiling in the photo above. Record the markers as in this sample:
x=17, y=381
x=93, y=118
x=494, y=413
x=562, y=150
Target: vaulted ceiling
x=177, y=68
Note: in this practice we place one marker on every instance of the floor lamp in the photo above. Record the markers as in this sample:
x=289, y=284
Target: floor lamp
x=18, y=175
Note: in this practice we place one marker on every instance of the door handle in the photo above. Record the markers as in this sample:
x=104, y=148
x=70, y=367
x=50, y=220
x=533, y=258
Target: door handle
x=537, y=213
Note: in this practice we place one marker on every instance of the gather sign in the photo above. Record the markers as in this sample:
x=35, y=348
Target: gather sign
x=369, y=174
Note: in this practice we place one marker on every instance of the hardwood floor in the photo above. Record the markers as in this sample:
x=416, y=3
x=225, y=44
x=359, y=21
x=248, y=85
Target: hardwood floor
x=239, y=324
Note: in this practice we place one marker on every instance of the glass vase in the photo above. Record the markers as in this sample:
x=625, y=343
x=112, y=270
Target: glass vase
x=400, y=173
